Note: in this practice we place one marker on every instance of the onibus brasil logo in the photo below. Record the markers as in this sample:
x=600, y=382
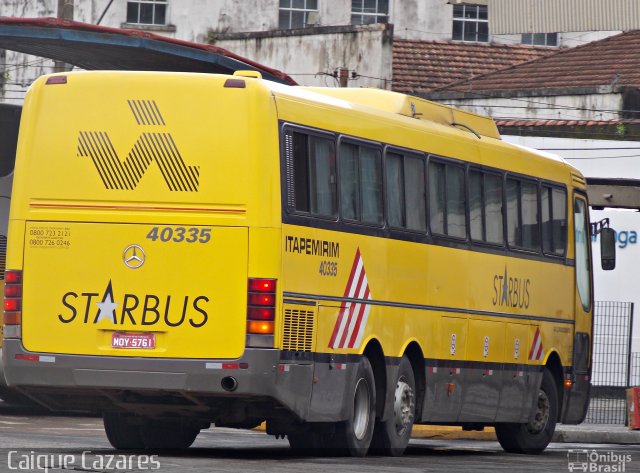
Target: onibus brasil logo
x=151, y=146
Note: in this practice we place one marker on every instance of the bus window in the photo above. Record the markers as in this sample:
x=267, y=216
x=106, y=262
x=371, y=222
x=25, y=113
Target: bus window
x=406, y=203
x=315, y=175
x=415, y=196
x=529, y=213
x=349, y=183
x=493, y=208
x=523, y=226
x=371, y=179
x=361, y=183
x=485, y=207
x=554, y=214
x=436, y=197
x=446, y=199
x=395, y=190
x=476, y=220
x=456, y=220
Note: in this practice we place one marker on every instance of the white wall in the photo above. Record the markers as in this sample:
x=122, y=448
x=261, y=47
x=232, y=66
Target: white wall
x=592, y=160
x=600, y=106
x=308, y=59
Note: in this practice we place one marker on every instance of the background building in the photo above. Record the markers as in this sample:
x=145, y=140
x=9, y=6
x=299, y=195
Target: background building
x=311, y=40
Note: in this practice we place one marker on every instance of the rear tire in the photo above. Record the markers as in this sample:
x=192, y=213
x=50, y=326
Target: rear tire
x=159, y=435
x=391, y=437
x=353, y=436
x=534, y=436
x=307, y=443
x=121, y=432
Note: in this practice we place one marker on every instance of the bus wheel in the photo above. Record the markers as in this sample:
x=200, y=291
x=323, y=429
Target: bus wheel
x=159, y=435
x=353, y=436
x=534, y=436
x=121, y=432
x=391, y=437
x=307, y=443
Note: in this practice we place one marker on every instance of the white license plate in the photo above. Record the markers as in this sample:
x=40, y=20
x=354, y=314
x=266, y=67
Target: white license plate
x=133, y=340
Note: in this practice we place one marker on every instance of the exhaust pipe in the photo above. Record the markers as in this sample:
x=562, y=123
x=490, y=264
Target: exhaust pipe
x=229, y=383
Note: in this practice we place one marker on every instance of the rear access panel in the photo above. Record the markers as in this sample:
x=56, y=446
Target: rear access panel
x=135, y=290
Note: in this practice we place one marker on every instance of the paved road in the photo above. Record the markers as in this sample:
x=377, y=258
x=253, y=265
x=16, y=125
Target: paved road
x=27, y=439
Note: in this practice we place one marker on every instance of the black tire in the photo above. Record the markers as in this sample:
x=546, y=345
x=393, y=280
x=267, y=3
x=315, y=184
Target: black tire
x=121, y=432
x=392, y=436
x=534, y=436
x=159, y=435
x=353, y=437
x=307, y=443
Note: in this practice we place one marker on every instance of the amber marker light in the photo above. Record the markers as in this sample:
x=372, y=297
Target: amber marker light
x=260, y=327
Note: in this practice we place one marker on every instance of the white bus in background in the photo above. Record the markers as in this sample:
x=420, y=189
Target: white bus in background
x=9, y=124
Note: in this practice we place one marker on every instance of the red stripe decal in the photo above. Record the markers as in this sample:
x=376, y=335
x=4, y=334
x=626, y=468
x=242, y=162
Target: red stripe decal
x=356, y=329
x=341, y=316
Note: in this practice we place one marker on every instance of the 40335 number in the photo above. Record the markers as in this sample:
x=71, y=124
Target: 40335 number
x=180, y=234
x=328, y=268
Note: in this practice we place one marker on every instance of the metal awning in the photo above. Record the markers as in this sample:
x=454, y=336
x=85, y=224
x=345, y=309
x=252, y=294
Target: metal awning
x=613, y=193
x=94, y=47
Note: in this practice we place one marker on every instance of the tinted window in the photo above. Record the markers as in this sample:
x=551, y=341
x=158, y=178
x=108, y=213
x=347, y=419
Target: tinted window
x=371, y=185
x=553, y=206
x=456, y=222
x=348, y=181
x=529, y=213
x=436, y=197
x=314, y=169
x=415, y=196
x=493, y=208
x=476, y=220
x=395, y=190
x=485, y=207
x=523, y=223
x=446, y=199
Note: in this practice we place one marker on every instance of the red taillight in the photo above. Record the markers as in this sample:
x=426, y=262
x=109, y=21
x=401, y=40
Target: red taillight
x=12, y=297
x=260, y=313
x=261, y=306
x=12, y=276
x=262, y=299
x=11, y=290
x=57, y=80
x=12, y=305
x=262, y=285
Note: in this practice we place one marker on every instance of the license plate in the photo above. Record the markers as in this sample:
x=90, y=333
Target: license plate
x=133, y=340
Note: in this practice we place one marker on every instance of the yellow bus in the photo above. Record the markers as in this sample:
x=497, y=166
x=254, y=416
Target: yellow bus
x=192, y=249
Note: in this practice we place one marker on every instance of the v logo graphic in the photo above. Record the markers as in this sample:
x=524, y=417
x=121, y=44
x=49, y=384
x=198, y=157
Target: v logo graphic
x=158, y=147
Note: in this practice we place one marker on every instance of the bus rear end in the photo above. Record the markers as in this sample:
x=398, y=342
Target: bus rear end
x=139, y=199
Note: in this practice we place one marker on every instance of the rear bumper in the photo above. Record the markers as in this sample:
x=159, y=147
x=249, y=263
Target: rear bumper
x=260, y=374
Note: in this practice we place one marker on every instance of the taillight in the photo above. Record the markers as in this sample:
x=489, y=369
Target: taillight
x=261, y=306
x=12, y=303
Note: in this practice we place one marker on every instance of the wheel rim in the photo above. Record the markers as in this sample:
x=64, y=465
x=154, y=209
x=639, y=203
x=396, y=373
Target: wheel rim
x=403, y=406
x=361, y=408
x=541, y=417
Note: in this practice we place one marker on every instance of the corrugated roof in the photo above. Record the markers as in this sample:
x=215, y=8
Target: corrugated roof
x=99, y=47
x=613, y=62
x=421, y=66
x=553, y=16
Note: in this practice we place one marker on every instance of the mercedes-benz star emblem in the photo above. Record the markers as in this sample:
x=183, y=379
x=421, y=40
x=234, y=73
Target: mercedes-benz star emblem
x=133, y=256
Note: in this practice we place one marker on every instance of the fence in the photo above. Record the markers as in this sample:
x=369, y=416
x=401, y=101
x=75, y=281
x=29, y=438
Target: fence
x=614, y=367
